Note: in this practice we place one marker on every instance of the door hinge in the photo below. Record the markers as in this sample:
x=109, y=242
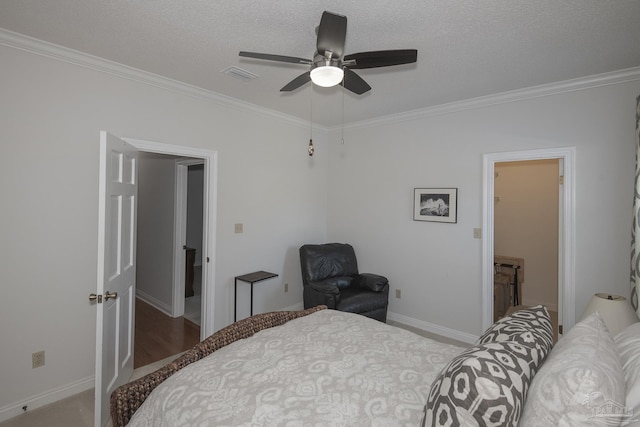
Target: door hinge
x=207, y=259
x=561, y=179
x=560, y=331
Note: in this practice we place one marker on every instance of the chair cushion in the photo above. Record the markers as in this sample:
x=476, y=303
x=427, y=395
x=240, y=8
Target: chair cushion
x=361, y=301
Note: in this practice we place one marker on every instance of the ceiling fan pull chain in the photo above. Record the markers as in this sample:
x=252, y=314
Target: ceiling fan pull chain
x=310, y=148
x=342, y=118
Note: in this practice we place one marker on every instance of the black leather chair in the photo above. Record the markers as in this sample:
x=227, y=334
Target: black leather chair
x=330, y=277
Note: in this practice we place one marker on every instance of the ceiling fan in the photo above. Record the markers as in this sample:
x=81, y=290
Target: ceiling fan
x=329, y=66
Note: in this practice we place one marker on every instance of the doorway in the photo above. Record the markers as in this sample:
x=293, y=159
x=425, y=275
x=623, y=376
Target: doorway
x=188, y=233
x=526, y=199
x=191, y=298
x=209, y=160
x=566, y=227
x=166, y=254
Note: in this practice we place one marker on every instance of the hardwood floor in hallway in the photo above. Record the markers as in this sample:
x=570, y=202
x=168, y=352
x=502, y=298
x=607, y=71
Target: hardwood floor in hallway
x=159, y=336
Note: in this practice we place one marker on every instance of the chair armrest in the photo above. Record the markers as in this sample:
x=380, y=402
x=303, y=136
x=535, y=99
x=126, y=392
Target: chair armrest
x=370, y=281
x=324, y=287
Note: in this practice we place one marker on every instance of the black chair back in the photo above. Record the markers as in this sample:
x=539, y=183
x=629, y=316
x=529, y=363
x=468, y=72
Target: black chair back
x=320, y=262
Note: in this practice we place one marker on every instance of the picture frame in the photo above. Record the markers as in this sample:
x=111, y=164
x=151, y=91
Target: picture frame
x=435, y=204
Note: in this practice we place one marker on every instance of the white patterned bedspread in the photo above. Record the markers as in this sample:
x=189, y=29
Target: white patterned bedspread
x=326, y=369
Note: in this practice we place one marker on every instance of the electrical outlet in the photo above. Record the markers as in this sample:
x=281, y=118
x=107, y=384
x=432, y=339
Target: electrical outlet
x=477, y=233
x=37, y=359
x=398, y=293
x=286, y=287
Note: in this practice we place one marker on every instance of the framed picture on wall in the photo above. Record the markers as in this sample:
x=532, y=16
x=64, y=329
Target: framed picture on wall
x=435, y=204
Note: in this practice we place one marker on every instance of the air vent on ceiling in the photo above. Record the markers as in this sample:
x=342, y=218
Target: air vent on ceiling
x=239, y=73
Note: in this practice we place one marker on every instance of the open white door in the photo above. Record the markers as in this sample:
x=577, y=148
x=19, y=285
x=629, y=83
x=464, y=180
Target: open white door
x=115, y=295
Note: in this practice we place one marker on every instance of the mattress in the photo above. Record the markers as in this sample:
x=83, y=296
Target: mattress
x=329, y=368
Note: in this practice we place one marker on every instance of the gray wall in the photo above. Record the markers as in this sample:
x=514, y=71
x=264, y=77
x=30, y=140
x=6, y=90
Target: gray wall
x=51, y=112
x=156, y=200
x=438, y=266
x=362, y=192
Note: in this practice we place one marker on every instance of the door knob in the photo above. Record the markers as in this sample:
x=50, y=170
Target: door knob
x=94, y=297
x=112, y=295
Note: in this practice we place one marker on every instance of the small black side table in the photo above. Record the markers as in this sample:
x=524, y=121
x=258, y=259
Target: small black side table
x=256, y=276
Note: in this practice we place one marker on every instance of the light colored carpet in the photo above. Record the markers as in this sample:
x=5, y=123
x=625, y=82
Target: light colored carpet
x=76, y=410
x=430, y=335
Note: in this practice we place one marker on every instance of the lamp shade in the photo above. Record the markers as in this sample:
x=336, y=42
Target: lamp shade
x=616, y=312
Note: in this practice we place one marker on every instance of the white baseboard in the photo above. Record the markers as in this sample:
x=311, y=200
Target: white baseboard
x=154, y=302
x=33, y=402
x=433, y=328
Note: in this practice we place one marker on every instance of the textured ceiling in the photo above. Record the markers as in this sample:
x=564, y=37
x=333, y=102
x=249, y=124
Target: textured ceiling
x=466, y=48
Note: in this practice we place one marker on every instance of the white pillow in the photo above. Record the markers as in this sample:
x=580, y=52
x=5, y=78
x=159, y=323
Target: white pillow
x=628, y=343
x=580, y=382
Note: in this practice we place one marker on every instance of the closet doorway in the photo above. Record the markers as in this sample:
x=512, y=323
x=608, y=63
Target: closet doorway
x=565, y=158
x=189, y=229
x=526, y=230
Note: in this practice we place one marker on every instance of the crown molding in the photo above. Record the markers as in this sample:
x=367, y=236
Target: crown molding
x=40, y=47
x=61, y=53
x=582, y=83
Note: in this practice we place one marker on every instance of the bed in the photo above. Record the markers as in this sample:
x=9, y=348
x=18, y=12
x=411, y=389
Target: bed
x=323, y=367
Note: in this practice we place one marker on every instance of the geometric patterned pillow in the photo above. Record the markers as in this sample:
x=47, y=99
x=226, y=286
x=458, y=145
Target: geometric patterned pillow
x=529, y=326
x=485, y=385
x=488, y=384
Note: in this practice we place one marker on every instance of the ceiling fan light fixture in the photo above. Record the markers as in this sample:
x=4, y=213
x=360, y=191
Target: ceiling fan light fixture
x=327, y=75
x=329, y=66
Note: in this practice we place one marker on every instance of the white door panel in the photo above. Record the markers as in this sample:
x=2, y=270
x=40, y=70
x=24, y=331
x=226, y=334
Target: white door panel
x=116, y=269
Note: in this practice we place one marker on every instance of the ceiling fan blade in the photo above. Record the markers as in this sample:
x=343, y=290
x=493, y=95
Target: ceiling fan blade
x=278, y=58
x=354, y=82
x=297, y=82
x=380, y=58
x=331, y=34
